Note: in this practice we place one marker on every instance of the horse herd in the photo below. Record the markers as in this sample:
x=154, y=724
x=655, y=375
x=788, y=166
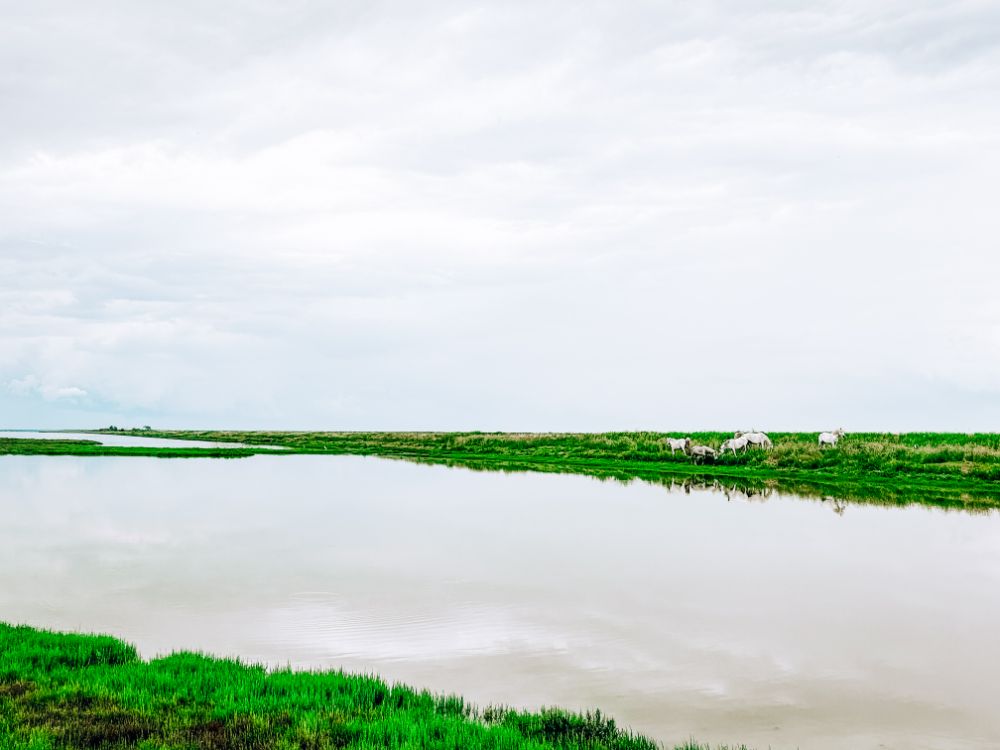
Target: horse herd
x=739, y=442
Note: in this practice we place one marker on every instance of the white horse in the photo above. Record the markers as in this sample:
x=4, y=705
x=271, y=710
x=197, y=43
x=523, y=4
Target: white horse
x=757, y=440
x=678, y=444
x=702, y=452
x=735, y=444
x=830, y=438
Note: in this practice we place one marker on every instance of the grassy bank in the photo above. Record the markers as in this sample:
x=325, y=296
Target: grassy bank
x=82, y=691
x=944, y=469
x=31, y=447
x=952, y=470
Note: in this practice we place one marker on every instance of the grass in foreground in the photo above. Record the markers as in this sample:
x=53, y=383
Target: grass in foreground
x=83, y=691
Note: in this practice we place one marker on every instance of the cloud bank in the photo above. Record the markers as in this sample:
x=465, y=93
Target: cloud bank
x=500, y=215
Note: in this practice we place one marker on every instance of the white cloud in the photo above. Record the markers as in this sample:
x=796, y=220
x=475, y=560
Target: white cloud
x=503, y=214
x=31, y=385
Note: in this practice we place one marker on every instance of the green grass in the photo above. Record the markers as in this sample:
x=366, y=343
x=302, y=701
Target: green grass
x=85, y=691
x=951, y=470
x=944, y=469
x=54, y=447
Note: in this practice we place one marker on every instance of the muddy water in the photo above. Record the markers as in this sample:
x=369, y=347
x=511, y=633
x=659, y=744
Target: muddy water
x=781, y=624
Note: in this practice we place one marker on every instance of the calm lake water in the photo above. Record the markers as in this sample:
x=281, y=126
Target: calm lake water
x=781, y=624
x=118, y=440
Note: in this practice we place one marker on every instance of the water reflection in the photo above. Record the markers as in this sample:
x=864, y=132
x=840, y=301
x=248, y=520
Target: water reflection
x=749, y=492
x=755, y=618
x=857, y=492
x=118, y=440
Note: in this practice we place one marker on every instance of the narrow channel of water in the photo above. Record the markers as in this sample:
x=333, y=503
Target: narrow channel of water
x=105, y=438
x=785, y=623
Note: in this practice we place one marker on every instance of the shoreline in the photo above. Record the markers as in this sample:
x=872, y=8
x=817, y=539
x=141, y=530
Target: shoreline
x=947, y=470
x=83, y=691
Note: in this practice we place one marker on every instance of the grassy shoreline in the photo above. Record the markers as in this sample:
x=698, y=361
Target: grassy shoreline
x=949, y=470
x=53, y=447
x=90, y=691
x=943, y=469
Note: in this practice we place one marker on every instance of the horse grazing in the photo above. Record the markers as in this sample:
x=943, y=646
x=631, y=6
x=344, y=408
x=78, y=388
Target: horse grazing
x=830, y=438
x=702, y=453
x=739, y=443
x=757, y=440
x=678, y=444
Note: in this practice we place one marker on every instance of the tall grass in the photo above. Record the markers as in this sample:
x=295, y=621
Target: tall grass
x=82, y=691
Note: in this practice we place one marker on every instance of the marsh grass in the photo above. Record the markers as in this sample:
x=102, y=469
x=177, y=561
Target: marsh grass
x=83, y=691
x=33, y=447
x=955, y=470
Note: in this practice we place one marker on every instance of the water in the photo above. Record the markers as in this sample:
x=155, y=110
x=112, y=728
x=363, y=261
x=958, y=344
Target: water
x=782, y=623
x=121, y=440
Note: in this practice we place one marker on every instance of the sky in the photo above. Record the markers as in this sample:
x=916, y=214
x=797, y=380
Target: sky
x=500, y=216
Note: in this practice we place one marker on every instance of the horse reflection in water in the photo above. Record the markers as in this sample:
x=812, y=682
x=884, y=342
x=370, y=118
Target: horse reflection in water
x=742, y=491
x=839, y=506
x=729, y=489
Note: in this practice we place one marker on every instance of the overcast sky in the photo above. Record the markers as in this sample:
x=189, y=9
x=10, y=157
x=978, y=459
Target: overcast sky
x=507, y=215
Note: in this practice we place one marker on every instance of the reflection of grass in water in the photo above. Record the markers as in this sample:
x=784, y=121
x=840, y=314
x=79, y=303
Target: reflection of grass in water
x=877, y=455
x=740, y=486
x=77, y=691
x=736, y=482
x=943, y=469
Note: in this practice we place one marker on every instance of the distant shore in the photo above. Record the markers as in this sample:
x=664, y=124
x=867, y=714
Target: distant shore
x=954, y=470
